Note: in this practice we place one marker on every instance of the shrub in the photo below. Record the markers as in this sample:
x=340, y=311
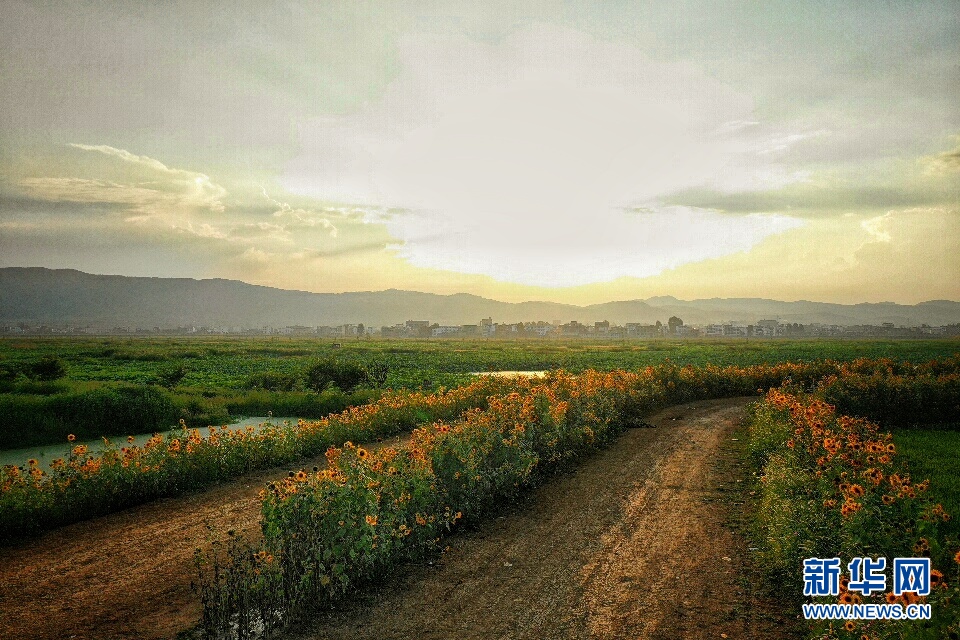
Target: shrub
x=272, y=381
x=377, y=372
x=49, y=368
x=111, y=410
x=171, y=375
x=324, y=373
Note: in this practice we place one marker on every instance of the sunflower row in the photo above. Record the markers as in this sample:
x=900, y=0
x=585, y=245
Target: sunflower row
x=85, y=484
x=328, y=530
x=832, y=485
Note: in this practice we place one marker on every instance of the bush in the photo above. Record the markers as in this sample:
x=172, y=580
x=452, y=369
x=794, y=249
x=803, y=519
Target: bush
x=115, y=410
x=49, y=368
x=345, y=375
x=41, y=419
x=298, y=404
x=377, y=372
x=897, y=401
x=272, y=381
x=171, y=375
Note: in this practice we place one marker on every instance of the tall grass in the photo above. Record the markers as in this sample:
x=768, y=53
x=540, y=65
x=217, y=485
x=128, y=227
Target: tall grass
x=31, y=419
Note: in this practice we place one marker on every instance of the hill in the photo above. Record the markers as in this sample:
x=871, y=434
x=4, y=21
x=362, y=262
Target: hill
x=67, y=297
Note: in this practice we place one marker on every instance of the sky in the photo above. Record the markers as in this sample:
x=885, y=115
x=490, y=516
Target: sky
x=569, y=151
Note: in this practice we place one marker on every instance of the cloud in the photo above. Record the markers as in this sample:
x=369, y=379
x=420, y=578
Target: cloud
x=876, y=228
x=504, y=158
x=83, y=190
x=299, y=217
x=126, y=156
x=821, y=197
x=150, y=189
x=599, y=248
x=945, y=163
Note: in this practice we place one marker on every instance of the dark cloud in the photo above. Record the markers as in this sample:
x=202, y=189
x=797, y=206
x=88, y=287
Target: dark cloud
x=948, y=161
x=818, y=200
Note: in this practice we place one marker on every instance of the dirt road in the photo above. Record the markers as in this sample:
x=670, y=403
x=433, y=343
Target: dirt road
x=126, y=575
x=633, y=544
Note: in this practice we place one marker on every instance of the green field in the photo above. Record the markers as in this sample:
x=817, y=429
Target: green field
x=935, y=455
x=135, y=385
x=217, y=363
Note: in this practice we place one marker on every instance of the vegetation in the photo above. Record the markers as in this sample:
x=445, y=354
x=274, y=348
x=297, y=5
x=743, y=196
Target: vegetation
x=935, y=455
x=323, y=374
x=84, y=485
x=329, y=530
x=214, y=380
x=835, y=486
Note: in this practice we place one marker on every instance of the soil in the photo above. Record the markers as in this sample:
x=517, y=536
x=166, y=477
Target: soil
x=639, y=541
x=126, y=575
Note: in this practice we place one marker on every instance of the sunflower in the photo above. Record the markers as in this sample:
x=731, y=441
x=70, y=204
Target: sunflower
x=936, y=578
x=71, y=438
x=849, y=625
x=372, y=520
x=891, y=599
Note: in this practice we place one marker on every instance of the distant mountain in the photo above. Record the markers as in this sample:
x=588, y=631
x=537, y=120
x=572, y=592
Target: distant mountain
x=68, y=297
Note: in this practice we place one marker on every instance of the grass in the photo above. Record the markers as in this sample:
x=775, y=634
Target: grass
x=935, y=454
x=219, y=374
x=219, y=363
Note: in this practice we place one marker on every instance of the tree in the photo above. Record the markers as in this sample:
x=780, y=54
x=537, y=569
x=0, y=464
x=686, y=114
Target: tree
x=673, y=323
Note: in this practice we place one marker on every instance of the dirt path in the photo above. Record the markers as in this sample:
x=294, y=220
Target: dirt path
x=632, y=544
x=635, y=544
x=125, y=575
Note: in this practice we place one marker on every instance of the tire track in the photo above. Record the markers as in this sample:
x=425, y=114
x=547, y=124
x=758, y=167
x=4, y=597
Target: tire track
x=628, y=545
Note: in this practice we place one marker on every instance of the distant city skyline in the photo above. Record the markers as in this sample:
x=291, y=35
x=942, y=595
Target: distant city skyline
x=571, y=152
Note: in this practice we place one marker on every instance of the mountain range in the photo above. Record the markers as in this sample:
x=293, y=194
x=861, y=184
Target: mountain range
x=60, y=297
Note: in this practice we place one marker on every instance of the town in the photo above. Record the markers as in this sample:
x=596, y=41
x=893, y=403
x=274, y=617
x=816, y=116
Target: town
x=488, y=329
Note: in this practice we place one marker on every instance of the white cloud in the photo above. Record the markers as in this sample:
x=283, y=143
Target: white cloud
x=876, y=228
x=150, y=191
x=534, y=251
x=518, y=159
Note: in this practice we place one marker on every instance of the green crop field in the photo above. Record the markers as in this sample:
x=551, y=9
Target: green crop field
x=135, y=385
